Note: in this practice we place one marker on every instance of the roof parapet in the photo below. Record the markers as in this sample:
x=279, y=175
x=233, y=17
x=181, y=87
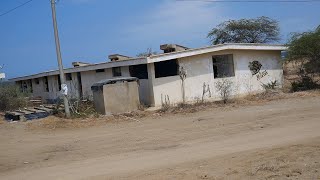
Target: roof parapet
x=77, y=64
x=167, y=48
x=118, y=57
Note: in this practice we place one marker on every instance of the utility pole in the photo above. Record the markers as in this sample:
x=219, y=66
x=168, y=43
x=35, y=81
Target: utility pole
x=56, y=36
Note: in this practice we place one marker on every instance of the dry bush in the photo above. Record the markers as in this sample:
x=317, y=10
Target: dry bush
x=165, y=103
x=303, y=84
x=224, y=87
x=11, y=98
x=79, y=108
x=195, y=107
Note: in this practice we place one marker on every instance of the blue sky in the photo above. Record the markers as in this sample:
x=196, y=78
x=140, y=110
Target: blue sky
x=90, y=30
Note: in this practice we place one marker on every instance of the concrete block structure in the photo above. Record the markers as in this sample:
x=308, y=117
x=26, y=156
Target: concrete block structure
x=248, y=66
x=116, y=95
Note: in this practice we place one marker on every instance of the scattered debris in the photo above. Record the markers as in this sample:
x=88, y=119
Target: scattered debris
x=30, y=113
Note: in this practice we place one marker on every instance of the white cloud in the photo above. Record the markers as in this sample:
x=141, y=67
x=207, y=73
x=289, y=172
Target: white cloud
x=176, y=21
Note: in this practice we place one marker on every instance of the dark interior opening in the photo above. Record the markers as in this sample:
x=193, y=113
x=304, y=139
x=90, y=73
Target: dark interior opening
x=79, y=83
x=31, y=88
x=139, y=71
x=46, y=84
x=166, y=68
x=116, y=71
x=59, y=83
x=68, y=77
x=99, y=70
x=223, y=66
x=37, y=81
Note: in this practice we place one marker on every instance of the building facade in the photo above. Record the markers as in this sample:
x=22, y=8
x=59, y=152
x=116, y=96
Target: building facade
x=176, y=75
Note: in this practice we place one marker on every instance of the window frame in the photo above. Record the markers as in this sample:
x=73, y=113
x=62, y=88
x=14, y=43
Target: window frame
x=158, y=66
x=46, y=84
x=222, y=64
x=115, y=73
x=139, y=71
x=100, y=70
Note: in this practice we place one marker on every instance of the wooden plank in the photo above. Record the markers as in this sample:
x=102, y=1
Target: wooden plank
x=44, y=109
x=24, y=111
x=35, y=110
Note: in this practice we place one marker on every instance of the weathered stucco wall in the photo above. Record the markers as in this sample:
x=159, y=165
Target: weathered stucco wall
x=73, y=87
x=117, y=98
x=153, y=91
x=88, y=78
x=121, y=97
x=200, y=74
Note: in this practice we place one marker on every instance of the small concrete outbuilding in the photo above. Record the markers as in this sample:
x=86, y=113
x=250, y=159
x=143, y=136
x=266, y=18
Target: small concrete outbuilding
x=116, y=95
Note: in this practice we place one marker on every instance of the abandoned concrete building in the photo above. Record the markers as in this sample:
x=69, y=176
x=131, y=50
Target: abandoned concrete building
x=176, y=74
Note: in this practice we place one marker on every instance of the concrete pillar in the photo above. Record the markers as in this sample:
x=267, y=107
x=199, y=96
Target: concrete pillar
x=151, y=78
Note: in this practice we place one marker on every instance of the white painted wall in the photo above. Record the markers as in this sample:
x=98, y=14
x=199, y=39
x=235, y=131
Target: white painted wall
x=88, y=78
x=73, y=87
x=39, y=89
x=200, y=70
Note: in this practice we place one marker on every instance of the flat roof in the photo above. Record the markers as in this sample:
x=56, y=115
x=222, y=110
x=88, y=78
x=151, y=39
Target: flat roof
x=160, y=57
x=215, y=48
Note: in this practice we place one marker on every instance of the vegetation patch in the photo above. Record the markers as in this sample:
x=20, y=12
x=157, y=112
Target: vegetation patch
x=11, y=98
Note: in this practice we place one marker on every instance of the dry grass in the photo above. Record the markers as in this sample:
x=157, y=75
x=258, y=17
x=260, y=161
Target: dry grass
x=254, y=99
x=293, y=162
x=54, y=122
x=272, y=166
x=2, y=120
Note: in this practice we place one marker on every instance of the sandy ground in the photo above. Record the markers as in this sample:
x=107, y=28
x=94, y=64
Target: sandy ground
x=275, y=140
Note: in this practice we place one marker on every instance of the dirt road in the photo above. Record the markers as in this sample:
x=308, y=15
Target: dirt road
x=276, y=140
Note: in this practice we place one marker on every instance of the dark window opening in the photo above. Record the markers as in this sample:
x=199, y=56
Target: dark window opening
x=116, y=71
x=46, y=84
x=21, y=86
x=24, y=87
x=68, y=77
x=166, y=68
x=79, y=83
x=99, y=70
x=37, y=81
x=30, y=88
x=139, y=71
x=223, y=66
x=59, y=83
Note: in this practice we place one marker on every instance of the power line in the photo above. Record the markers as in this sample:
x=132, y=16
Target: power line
x=253, y=1
x=9, y=11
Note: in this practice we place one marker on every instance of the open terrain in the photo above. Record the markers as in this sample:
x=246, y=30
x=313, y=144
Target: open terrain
x=274, y=140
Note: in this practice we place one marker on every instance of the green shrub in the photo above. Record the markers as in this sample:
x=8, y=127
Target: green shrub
x=270, y=86
x=11, y=98
x=306, y=83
